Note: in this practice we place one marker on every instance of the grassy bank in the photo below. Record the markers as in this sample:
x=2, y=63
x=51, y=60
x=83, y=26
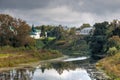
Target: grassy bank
x=10, y=56
x=111, y=65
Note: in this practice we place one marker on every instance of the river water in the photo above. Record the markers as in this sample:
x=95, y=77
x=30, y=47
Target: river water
x=67, y=69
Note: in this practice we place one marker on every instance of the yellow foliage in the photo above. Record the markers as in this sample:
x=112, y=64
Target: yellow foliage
x=111, y=65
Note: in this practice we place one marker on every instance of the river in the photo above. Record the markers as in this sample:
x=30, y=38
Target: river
x=67, y=69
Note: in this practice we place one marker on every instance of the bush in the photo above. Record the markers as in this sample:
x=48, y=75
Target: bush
x=39, y=44
x=112, y=51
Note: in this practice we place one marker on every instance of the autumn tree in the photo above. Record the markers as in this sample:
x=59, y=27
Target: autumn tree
x=5, y=33
x=13, y=31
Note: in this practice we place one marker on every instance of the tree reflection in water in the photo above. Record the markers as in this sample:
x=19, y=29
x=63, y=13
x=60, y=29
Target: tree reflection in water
x=20, y=74
x=57, y=70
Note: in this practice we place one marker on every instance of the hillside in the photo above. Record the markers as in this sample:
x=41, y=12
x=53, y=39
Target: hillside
x=72, y=46
x=111, y=65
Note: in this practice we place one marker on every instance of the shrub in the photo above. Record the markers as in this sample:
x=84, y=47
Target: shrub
x=39, y=44
x=112, y=51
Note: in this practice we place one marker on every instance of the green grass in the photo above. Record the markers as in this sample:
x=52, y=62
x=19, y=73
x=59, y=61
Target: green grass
x=4, y=55
x=51, y=38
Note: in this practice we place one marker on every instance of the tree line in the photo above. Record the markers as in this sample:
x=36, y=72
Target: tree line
x=104, y=41
x=16, y=32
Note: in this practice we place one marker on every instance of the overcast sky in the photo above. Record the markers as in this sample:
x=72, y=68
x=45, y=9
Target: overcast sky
x=65, y=12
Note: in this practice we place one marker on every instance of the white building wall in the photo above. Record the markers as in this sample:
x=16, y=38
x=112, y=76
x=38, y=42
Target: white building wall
x=85, y=31
x=36, y=36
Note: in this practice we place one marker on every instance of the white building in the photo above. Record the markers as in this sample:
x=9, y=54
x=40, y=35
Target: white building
x=35, y=34
x=85, y=31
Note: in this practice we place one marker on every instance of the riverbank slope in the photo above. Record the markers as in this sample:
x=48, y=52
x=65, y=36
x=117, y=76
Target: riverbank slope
x=10, y=56
x=111, y=65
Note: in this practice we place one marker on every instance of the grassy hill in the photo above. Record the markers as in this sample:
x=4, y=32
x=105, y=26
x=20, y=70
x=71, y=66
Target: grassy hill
x=72, y=45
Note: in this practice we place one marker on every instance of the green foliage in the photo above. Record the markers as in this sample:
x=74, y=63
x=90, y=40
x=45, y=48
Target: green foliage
x=85, y=25
x=112, y=51
x=114, y=41
x=39, y=44
x=105, y=39
x=33, y=28
x=72, y=46
x=98, y=39
x=60, y=42
x=72, y=31
x=51, y=38
x=42, y=31
x=100, y=29
x=58, y=32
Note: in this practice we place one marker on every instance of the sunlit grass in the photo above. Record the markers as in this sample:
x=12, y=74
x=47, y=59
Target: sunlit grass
x=4, y=55
x=13, y=56
x=111, y=65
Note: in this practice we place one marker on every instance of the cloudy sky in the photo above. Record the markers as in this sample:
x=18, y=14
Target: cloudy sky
x=65, y=12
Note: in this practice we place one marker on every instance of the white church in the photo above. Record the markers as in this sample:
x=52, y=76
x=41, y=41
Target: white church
x=36, y=33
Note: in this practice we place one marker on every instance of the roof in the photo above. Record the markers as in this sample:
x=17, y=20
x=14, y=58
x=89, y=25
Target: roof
x=37, y=30
x=86, y=31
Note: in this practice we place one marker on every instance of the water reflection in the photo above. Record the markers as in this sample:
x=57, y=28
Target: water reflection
x=21, y=74
x=77, y=74
x=49, y=71
x=76, y=59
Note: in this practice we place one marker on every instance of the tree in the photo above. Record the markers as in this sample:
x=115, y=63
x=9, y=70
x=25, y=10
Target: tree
x=33, y=28
x=13, y=31
x=22, y=33
x=85, y=25
x=58, y=32
x=5, y=33
x=99, y=39
x=72, y=31
x=42, y=30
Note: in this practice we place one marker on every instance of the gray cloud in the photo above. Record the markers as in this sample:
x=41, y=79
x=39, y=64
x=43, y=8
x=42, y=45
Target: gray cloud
x=23, y=4
x=66, y=12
